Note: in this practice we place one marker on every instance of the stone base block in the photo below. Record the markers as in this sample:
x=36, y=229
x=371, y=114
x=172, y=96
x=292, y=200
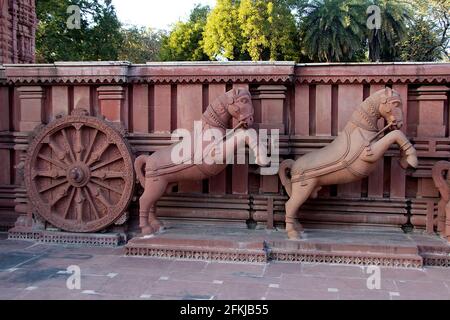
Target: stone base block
x=56, y=237
x=351, y=247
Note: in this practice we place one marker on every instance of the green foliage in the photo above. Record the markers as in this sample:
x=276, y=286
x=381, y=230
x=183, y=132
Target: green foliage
x=99, y=37
x=268, y=29
x=140, y=45
x=333, y=30
x=185, y=40
x=300, y=30
x=251, y=29
x=428, y=33
x=222, y=38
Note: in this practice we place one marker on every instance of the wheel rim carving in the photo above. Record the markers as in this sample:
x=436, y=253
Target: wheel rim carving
x=79, y=173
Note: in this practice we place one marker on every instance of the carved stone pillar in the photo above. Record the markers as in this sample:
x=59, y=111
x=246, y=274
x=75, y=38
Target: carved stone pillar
x=31, y=109
x=111, y=100
x=270, y=100
x=31, y=100
x=427, y=104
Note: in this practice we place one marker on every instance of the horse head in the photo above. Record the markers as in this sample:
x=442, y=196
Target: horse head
x=240, y=106
x=236, y=103
x=390, y=108
x=386, y=104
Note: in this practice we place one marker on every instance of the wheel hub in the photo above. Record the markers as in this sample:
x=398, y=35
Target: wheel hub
x=78, y=175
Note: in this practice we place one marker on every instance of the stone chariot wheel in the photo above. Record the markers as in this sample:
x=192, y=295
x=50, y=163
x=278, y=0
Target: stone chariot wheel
x=79, y=173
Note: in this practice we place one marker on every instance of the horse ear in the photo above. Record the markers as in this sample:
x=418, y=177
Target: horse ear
x=388, y=92
x=230, y=96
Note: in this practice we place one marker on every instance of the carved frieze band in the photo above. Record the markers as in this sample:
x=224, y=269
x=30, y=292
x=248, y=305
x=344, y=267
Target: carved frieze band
x=245, y=72
x=112, y=240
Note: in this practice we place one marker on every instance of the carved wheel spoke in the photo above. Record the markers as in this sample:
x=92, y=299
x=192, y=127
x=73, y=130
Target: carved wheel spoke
x=104, y=164
x=91, y=144
x=52, y=186
x=104, y=175
x=53, y=161
x=79, y=173
x=67, y=143
x=106, y=186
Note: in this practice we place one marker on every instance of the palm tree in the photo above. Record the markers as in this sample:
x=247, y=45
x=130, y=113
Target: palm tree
x=384, y=42
x=333, y=30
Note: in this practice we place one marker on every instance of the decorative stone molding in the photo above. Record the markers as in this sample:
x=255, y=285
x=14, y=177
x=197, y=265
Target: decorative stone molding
x=68, y=73
x=213, y=72
x=224, y=72
x=347, y=73
x=360, y=259
x=229, y=255
x=57, y=237
x=2, y=75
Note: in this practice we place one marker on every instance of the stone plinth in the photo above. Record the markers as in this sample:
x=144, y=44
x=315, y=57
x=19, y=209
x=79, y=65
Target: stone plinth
x=364, y=247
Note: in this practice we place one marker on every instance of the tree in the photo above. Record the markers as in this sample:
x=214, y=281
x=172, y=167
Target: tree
x=333, y=30
x=140, y=45
x=268, y=30
x=428, y=32
x=384, y=42
x=98, y=37
x=185, y=41
x=222, y=38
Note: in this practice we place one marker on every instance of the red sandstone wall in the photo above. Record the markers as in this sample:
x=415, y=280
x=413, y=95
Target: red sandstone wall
x=310, y=104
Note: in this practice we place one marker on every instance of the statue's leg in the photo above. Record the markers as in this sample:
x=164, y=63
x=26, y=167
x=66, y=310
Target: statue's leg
x=146, y=229
x=299, y=195
x=377, y=149
x=156, y=224
x=153, y=190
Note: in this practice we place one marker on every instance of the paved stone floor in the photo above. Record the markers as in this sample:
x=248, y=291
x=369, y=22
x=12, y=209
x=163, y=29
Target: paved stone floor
x=38, y=271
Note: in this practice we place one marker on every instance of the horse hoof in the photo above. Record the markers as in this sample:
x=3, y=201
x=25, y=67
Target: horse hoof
x=147, y=231
x=298, y=227
x=412, y=161
x=293, y=235
x=157, y=226
x=403, y=163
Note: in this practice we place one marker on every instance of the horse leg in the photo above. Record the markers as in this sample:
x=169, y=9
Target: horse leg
x=153, y=190
x=377, y=149
x=298, y=196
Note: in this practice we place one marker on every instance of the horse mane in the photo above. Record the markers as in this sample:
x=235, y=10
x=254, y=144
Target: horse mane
x=367, y=113
x=217, y=110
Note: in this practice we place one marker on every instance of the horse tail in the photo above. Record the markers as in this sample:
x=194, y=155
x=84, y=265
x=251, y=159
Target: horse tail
x=285, y=180
x=441, y=184
x=139, y=165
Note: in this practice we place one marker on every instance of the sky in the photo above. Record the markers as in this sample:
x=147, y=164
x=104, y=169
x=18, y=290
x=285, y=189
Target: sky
x=157, y=14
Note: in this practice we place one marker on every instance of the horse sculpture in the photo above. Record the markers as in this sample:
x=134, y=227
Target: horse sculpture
x=350, y=157
x=161, y=171
x=441, y=178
